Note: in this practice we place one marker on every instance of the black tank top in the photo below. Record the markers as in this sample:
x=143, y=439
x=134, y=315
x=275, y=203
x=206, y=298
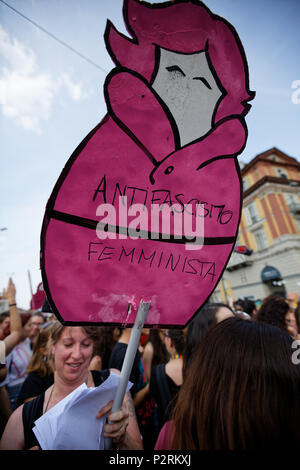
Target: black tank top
x=33, y=410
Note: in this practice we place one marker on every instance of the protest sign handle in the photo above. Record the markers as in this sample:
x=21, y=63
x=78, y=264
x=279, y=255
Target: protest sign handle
x=129, y=359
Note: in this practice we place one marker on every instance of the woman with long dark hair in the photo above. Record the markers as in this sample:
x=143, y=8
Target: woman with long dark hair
x=241, y=392
x=208, y=316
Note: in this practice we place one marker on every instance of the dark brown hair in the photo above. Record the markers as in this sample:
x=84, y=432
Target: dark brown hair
x=177, y=337
x=241, y=391
x=160, y=353
x=197, y=329
x=273, y=310
x=25, y=317
x=105, y=340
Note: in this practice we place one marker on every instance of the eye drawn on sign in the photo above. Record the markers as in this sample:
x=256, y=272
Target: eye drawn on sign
x=120, y=222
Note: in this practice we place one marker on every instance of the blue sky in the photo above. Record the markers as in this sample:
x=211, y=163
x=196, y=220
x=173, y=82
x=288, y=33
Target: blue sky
x=51, y=98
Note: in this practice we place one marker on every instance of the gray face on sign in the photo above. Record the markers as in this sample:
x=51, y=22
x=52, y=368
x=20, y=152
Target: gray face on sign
x=187, y=86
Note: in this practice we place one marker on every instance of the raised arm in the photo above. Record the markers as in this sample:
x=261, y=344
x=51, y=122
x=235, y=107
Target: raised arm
x=148, y=357
x=16, y=332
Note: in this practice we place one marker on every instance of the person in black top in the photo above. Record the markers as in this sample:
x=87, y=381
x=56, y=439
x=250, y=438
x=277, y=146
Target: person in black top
x=117, y=358
x=140, y=389
x=166, y=379
x=107, y=338
x=71, y=349
x=33, y=410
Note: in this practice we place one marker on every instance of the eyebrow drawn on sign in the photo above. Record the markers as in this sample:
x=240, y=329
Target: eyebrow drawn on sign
x=203, y=80
x=175, y=68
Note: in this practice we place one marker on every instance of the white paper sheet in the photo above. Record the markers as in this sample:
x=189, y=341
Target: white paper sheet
x=72, y=423
x=46, y=426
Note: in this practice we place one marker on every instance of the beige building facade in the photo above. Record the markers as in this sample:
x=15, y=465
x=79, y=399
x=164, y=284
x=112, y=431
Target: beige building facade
x=270, y=226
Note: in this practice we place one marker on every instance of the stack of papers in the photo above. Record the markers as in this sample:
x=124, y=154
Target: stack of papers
x=72, y=423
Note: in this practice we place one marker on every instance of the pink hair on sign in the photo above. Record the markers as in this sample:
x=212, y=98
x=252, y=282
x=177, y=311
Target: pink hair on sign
x=184, y=27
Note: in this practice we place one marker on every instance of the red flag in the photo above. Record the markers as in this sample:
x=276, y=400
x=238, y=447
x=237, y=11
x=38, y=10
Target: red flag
x=38, y=297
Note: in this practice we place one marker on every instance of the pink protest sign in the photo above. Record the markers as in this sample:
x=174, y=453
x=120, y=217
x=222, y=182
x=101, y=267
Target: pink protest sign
x=149, y=204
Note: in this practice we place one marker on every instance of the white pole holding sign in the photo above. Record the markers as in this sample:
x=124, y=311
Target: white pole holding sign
x=129, y=359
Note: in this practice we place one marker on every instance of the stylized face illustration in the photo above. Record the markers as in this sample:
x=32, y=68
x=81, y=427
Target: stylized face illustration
x=188, y=87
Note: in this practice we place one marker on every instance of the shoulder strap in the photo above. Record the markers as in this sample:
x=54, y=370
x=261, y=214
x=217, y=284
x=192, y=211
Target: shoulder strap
x=32, y=410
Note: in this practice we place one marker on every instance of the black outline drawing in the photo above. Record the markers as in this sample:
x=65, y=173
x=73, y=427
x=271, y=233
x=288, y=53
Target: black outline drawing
x=51, y=213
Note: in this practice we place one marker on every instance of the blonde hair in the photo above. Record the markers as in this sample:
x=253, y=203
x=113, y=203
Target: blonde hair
x=39, y=361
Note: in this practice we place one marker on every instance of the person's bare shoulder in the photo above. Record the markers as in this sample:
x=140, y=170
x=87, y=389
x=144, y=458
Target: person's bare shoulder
x=13, y=435
x=148, y=350
x=174, y=370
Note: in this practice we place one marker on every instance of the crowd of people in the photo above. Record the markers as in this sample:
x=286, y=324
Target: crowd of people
x=229, y=380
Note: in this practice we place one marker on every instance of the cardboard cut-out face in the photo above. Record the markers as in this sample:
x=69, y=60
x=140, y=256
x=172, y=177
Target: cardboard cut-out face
x=187, y=86
x=149, y=204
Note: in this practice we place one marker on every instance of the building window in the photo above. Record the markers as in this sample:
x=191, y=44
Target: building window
x=260, y=239
x=281, y=173
x=298, y=223
x=291, y=198
x=247, y=217
x=251, y=214
x=245, y=184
